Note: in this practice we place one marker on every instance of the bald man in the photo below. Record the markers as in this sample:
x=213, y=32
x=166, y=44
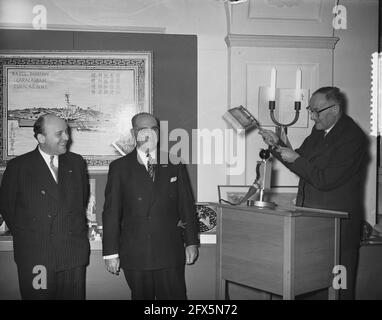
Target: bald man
x=150, y=225
x=330, y=164
x=43, y=199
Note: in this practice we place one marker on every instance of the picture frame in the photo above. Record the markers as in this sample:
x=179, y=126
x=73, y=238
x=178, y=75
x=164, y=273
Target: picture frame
x=232, y=193
x=96, y=92
x=94, y=226
x=207, y=217
x=4, y=230
x=284, y=196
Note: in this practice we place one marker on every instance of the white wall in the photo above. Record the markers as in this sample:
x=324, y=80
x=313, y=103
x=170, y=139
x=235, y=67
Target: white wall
x=286, y=35
x=207, y=19
x=348, y=68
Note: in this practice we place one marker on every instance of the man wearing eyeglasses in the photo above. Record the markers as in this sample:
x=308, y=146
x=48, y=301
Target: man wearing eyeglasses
x=330, y=164
x=150, y=228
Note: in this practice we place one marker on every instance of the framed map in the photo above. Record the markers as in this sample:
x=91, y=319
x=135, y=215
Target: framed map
x=96, y=93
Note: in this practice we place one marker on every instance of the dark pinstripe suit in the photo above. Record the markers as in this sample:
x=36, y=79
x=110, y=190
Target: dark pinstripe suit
x=47, y=220
x=140, y=217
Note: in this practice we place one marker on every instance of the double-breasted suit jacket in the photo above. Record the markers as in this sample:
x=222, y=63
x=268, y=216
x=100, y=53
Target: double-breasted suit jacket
x=148, y=223
x=47, y=219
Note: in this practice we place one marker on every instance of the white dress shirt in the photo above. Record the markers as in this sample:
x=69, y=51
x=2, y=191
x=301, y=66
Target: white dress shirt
x=143, y=156
x=46, y=158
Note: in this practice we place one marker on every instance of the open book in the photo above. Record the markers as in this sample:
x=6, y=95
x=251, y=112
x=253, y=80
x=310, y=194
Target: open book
x=241, y=118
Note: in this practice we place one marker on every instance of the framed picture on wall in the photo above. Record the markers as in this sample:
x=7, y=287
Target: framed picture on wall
x=94, y=226
x=206, y=217
x=97, y=93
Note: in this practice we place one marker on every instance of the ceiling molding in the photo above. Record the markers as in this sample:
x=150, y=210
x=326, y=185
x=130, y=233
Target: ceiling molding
x=251, y=40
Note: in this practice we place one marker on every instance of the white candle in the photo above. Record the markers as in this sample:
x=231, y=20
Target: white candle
x=272, y=96
x=298, y=85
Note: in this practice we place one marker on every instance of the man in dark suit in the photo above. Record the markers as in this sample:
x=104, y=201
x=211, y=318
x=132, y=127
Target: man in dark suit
x=150, y=228
x=43, y=200
x=330, y=164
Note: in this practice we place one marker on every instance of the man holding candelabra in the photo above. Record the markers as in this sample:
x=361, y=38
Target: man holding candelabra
x=330, y=164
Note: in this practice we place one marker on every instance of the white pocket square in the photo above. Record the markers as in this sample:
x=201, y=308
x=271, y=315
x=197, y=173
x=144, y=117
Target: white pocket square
x=173, y=179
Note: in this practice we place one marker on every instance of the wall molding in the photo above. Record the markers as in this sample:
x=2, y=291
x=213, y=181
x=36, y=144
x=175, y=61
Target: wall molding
x=251, y=40
x=88, y=28
x=282, y=11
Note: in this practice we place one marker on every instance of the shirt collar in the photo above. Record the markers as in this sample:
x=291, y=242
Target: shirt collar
x=143, y=155
x=47, y=157
x=332, y=126
x=328, y=130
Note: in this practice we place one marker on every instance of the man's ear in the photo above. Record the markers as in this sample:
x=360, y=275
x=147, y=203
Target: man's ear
x=133, y=134
x=134, y=137
x=336, y=109
x=41, y=138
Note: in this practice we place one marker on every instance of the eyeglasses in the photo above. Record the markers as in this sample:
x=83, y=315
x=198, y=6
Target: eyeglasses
x=317, y=112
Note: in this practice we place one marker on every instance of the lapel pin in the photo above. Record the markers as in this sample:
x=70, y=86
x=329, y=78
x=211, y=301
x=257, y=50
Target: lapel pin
x=181, y=224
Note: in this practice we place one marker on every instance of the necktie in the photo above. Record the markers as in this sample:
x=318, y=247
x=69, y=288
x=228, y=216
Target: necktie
x=150, y=166
x=54, y=168
x=283, y=135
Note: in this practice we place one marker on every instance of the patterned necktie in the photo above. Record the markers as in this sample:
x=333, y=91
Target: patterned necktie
x=150, y=166
x=283, y=135
x=54, y=168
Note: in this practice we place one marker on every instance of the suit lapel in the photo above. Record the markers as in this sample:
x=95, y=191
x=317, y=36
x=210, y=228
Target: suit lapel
x=64, y=174
x=334, y=134
x=42, y=175
x=140, y=175
x=318, y=144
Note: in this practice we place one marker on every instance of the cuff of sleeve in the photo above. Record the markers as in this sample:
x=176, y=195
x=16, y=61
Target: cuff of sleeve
x=297, y=163
x=111, y=256
x=193, y=245
x=298, y=166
